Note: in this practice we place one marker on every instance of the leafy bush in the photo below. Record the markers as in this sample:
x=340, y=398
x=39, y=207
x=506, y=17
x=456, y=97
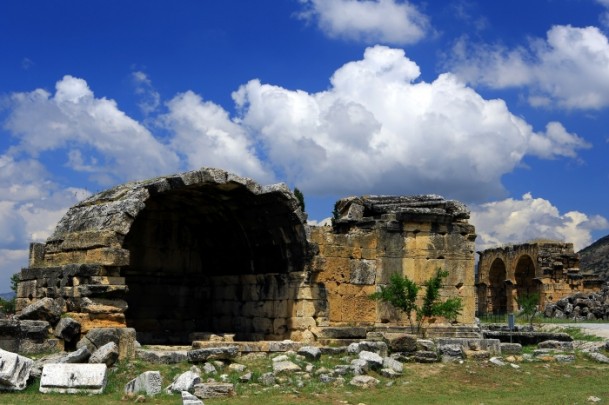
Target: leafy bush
x=402, y=293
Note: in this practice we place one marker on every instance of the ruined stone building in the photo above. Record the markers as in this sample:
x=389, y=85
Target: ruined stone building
x=208, y=251
x=548, y=268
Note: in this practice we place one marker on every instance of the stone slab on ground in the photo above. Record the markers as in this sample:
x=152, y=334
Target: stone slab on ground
x=14, y=371
x=74, y=378
x=214, y=390
x=148, y=382
x=212, y=353
x=162, y=356
x=189, y=399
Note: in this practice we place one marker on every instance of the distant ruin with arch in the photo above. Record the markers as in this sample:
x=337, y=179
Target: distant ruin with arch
x=548, y=268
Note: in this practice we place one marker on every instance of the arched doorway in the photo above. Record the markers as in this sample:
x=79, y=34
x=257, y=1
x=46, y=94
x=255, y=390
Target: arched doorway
x=497, y=290
x=213, y=257
x=524, y=275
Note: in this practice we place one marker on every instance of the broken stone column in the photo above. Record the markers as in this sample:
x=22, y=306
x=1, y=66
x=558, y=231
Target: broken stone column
x=14, y=371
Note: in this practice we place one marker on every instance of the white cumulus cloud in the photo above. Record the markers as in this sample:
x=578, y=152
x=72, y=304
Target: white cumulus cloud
x=96, y=136
x=568, y=69
x=378, y=129
x=204, y=134
x=369, y=21
x=521, y=220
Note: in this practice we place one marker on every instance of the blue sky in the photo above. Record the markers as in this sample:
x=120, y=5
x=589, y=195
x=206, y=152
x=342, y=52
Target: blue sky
x=502, y=105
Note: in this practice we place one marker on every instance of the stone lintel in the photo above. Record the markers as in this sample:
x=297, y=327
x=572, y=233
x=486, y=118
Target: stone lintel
x=73, y=378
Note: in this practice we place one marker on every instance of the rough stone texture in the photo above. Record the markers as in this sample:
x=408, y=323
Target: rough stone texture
x=185, y=381
x=73, y=378
x=401, y=342
x=162, y=356
x=148, y=382
x=510, y=348
x=375, y=362
x=67, y=329
x=426, y=357
x=310, y=352
x=285, y=366
x=45, y=309
x=27, y=337
x=393, y=364
x=14, y=371
x=124, y=338
x=364, y=381
x=581, y=306
x=214, y=390
x=189, y=399
x=413, y=236
x=598, y=357
x=546, y=267
x=555, y=344
x=107, y=354
x=212, y=353
x=490, y=345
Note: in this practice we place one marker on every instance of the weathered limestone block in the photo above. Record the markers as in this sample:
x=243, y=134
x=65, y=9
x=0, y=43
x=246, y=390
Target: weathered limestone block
x=103, y=306
x=106, y=354
x=148, y=382
x=185, y=381
x=375, y=362
x=67, y=329
x=190, y=399
x=124, y=338
x=212, y=353
x=363, y=272
x=399, y=342
x=310, y=352
x=285, y=366
x=364, y=381
x=14, y=371
x=73, y=378
x=214, y=390
x=45, y=309
x=162, y=356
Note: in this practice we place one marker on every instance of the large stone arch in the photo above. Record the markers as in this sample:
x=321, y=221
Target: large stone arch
x=497, y=287
x=202, y=251
x=524, y=276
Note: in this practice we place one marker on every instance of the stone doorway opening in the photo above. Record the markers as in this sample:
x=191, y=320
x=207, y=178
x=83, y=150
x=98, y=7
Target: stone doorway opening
x=213, y=258
x=525, y=278
x=498, y=292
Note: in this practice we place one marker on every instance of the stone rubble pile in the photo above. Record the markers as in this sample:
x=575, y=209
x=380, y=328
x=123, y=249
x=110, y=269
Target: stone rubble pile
x=215, y=369
x=581, y=306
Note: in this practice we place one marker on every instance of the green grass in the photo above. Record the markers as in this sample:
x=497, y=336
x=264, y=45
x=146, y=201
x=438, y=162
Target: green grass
x=468, y=383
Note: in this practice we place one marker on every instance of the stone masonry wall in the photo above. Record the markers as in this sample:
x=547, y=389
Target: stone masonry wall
x=362, y=252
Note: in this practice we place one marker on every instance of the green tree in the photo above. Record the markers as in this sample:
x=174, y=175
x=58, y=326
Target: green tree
x=402, y=294
x=300, y=197
x=8, y=306
x=528, y=303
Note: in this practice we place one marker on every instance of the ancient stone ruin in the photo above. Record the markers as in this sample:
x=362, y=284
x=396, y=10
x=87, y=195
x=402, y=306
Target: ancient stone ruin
x=548, y=268
x=202, y=252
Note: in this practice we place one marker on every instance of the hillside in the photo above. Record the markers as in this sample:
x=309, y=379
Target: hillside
x=595, y=258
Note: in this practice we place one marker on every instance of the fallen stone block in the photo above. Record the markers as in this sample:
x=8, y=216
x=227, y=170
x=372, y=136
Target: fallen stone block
x=310, y=352
x=510, y=348
x=67, y=329
x=364, y=381
x=393, y=364
x=285, y=366
x=212, y=353
x=185, y=381
x=424, y=356
x=14, y=371
x=162, y=356
x=124, y=338
x=107, y=354
x=189, y=399
x=375, y=362
x=73, y=378
x=45, y=309
x=214, y=390
x=148, y=382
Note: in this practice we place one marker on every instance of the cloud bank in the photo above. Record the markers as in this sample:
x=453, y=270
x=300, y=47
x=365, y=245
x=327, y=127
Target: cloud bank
x=517, y=221
x=568, y=69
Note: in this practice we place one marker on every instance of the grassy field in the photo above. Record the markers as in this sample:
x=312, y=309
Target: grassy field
x=467, y=383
